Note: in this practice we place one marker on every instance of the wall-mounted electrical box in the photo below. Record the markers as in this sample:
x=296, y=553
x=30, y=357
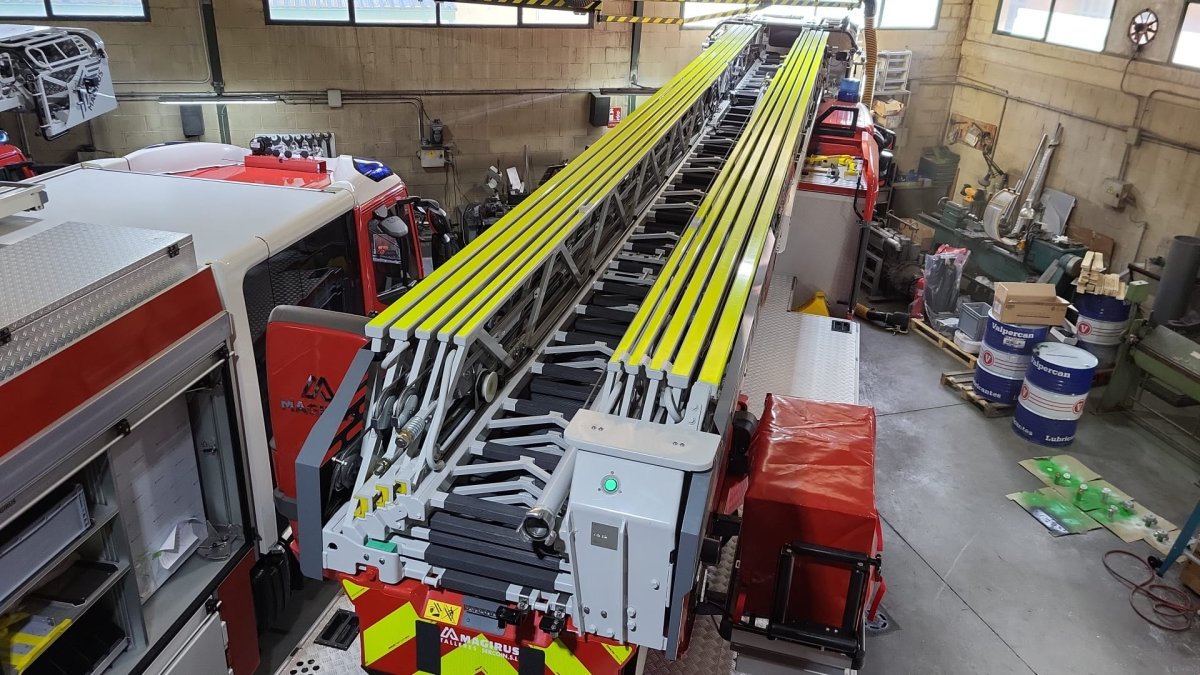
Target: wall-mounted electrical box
x=1114, y=192
x=192, y=117
x=433, y=158
x=599, y=110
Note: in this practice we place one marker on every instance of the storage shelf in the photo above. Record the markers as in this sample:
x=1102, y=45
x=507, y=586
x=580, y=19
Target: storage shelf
x=64, y=611
x=103, y=515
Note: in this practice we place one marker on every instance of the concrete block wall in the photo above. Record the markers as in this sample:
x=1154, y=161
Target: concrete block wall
x=167, y=55
x=1027, y=87
x=935, y=63
x=666, y=49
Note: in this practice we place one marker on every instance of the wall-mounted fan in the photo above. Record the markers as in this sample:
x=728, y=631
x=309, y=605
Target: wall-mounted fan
x=1143, y=28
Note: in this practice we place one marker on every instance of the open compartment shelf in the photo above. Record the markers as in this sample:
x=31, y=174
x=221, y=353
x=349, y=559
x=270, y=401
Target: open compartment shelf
x=50, y=612
x=101, y=517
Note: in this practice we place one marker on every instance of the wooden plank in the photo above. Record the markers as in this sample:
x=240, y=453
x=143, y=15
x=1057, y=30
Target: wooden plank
x=961, y=382
x=942, y=342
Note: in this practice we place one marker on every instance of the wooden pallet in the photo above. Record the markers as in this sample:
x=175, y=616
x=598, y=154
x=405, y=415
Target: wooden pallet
x=942, y=342
x=960, y=381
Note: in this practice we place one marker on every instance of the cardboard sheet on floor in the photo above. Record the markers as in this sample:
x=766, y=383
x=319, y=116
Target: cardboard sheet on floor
x=1055, y=512
x=1130, y=524
x=1164, y=546
x=1060, y=470
x=1093, y=497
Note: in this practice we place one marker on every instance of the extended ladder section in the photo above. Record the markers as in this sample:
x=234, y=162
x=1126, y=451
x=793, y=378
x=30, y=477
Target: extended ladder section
x=452, y=299
x=673, y=358
x=457, y=338
x=648, y=244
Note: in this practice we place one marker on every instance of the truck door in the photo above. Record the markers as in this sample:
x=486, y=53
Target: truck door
x=392, y=239
x=322, y=270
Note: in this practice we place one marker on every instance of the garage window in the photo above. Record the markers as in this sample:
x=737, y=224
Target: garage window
x=416, y=13
x=1082, y=24
x=900, y=14
x=120, y=10
x=1187, y=47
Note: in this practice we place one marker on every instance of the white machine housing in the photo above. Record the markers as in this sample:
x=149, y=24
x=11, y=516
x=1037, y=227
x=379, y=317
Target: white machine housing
x=60, y=74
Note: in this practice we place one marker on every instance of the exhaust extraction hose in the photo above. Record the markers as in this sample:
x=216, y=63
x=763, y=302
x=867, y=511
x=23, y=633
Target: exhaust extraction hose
x=868, y=92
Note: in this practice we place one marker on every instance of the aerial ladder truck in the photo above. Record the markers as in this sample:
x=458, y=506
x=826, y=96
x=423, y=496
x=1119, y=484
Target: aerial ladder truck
x=546, y=467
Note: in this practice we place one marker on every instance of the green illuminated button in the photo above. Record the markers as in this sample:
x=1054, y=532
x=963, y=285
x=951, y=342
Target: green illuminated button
x=610, y=484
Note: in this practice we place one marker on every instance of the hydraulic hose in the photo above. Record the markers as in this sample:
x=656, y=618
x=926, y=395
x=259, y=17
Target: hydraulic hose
x=872, y=52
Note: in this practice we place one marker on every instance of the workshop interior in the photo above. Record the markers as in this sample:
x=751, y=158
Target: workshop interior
x=599, y=337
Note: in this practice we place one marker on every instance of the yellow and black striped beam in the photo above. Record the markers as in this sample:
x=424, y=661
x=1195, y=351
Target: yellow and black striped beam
x=746, y=8
x=722, y=15
x=664, y=20
x=572, y=5
x=848, y=4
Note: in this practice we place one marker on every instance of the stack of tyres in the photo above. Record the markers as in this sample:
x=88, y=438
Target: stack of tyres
x=1004, y=357
x=1102, y=323
x=1054, y=393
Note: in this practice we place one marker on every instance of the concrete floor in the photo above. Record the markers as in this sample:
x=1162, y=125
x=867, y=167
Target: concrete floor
x=974, y=583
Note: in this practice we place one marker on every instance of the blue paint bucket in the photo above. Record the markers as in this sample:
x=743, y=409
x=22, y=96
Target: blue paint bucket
x=850, y=90
x=1101, y=325
x=1004, y=357
x=1053, y=395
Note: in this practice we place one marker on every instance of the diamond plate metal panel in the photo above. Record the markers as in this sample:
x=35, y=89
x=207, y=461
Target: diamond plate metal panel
x=800, y=354
x=311, y=658
x=707, y=654
x=59, y=284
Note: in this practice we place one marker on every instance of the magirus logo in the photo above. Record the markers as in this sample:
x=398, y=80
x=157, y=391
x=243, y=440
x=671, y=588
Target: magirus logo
x=480, y=643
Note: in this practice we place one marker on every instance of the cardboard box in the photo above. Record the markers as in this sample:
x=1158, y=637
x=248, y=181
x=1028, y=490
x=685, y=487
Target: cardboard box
x=887, y=107
x=1032, y=304
x=1189, y=574
x=892, y=122
x=1094, y=241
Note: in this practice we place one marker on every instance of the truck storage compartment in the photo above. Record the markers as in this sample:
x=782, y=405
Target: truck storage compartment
x=40, y=537
x=123, y=496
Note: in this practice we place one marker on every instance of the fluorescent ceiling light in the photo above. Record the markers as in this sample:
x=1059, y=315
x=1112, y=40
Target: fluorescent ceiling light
x=215, y=100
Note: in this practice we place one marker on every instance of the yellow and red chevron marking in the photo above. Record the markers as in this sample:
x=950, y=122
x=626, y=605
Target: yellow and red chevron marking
x=400, y=625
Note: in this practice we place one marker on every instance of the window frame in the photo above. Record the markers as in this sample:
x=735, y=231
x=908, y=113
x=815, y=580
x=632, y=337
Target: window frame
x=51, y=15
x=1179, y=35
x=1112, y=12
x=879, y=12
x=354, y=22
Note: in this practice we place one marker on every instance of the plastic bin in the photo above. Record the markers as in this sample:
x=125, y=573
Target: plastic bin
x=972, y=320
x=39, y=542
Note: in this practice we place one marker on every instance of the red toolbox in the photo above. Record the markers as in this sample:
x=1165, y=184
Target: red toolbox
x=808, y=552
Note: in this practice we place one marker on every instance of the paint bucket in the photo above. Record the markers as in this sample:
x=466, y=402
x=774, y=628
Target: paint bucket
x=1101, y=325
x=1003, y=358
x=1053, y=394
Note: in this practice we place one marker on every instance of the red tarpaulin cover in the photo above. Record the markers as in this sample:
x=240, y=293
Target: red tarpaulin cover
x=812, y=480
